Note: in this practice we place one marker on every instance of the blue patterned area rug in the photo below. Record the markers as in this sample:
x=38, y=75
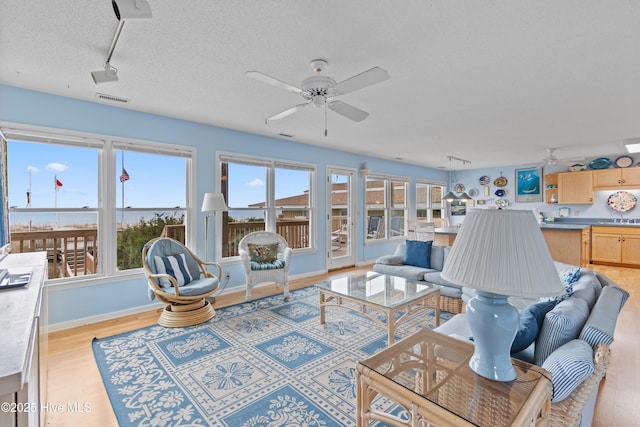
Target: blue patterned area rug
x=262, y=363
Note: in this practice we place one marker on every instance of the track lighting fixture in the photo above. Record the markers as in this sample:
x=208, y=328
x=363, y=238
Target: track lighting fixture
x=131, y=9
x=109, y=74
x=124, y=10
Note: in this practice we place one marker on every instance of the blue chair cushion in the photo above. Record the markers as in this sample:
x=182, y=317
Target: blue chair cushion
x=195, y=287
x=279, y=263
x=531, y=319
x=418, y=253
x=175, y=266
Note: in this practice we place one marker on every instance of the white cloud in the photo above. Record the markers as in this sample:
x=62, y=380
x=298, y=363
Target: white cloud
x=57, y=167
x=256, y=183
x=32, y=169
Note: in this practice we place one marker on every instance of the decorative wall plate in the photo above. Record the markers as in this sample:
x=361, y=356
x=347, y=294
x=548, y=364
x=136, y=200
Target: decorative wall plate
x=500, y=181
x=502, y=203
x=459, y=188
x=600, y=163
x=500, y=192
x=473, y=192
x=577, y=167
x=484, y=180
x=624, y=161
x=622, y=201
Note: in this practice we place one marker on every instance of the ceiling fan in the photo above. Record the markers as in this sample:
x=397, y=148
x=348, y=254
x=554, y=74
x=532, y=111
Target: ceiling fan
x=552, y=159
x=320, y=90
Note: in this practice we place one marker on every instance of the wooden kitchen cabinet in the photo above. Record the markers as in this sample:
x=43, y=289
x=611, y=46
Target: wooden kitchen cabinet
x=551, y=194
x=616, y=245
x=616, y=178
x=575, y=188
x=569, y=246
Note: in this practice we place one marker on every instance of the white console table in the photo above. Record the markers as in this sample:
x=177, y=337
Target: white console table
x=22, y=331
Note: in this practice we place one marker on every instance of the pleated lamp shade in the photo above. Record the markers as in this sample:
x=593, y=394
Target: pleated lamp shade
x=502, y=252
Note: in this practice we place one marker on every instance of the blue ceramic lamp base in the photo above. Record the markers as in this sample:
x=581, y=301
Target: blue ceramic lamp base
x=494, y=324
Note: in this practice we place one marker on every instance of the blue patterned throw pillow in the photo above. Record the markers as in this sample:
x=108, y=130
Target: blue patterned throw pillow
x=568, y=276
x=175, y=266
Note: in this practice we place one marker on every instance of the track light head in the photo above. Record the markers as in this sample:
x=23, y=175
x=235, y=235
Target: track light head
x=109, y=74
x=131, y=9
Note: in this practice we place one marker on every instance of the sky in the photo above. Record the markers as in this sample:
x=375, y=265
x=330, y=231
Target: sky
x=155, y=180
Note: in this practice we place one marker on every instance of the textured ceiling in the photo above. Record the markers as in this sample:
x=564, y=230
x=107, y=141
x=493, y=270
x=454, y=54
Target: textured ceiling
x=496, y=82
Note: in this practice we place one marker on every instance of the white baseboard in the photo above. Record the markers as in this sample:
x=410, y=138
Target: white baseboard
x=147, y=307
x=102, y=317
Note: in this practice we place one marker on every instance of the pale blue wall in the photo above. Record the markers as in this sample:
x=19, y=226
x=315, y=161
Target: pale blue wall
x=35, y=108
x=599, y=208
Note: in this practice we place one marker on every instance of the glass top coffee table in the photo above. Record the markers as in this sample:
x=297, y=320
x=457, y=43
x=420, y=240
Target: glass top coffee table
x=370, y=293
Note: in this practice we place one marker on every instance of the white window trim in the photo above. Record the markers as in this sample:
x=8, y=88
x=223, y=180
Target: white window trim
x=270, y=217
x=388, y=178
x=431, y=183
x=107, y=146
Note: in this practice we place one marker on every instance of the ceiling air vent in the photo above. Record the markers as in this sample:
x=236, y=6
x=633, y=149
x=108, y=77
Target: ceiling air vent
x=286, y=135
x=112, y=98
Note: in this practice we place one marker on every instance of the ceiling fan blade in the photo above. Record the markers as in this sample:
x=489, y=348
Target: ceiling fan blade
x=289, y=111
x=349, y=111
x=257, y=75
x=364, y=79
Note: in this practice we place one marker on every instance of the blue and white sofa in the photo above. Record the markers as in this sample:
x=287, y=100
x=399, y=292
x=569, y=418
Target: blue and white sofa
x=570, y=338
x=421, y=261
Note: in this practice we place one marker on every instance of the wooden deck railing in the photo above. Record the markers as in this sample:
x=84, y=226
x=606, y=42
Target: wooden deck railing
x=73, y=252
x=70, y=252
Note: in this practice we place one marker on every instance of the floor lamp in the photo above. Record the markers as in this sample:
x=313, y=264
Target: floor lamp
x=212, y=202
x=499, y=253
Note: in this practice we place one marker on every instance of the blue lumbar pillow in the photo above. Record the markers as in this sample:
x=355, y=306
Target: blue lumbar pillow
x=418, y=253
x=531, y=319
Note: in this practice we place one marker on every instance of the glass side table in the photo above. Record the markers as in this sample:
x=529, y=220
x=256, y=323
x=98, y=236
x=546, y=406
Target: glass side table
x=425, y=379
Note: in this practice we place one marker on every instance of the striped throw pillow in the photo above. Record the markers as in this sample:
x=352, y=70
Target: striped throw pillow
x=175, y=266
x=569, y=365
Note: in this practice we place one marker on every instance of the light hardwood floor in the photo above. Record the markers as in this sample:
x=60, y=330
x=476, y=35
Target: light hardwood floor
x=73, y=377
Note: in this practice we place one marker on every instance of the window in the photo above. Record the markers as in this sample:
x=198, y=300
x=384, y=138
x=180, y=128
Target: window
x=268, y=195
x=386, y=207
x=92, y=203
x=151, y=199
x=429, y=202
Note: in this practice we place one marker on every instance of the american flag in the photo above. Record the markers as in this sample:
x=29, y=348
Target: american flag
x=125, y=176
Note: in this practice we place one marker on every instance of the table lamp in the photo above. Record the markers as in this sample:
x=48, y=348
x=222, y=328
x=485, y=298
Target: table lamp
x=499, y=253
x=212, y=202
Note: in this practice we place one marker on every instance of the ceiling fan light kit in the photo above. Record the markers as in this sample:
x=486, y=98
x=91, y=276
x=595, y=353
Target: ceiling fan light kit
x=320, y=90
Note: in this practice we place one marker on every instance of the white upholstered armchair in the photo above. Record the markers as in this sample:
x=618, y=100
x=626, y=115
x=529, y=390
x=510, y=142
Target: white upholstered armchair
x=266, y=257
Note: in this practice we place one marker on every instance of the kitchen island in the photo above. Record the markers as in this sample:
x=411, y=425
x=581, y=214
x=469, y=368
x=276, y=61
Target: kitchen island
x=568, y=242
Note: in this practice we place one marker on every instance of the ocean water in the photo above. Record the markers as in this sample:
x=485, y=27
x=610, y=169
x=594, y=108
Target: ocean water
x=33, y=221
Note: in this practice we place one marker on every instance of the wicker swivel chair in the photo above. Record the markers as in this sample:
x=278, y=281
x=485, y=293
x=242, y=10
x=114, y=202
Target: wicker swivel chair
x=177, y=277
x=265, y=258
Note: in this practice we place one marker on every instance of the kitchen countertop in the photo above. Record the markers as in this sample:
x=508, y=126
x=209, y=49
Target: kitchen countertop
x=543, y=226
x=553, y=226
